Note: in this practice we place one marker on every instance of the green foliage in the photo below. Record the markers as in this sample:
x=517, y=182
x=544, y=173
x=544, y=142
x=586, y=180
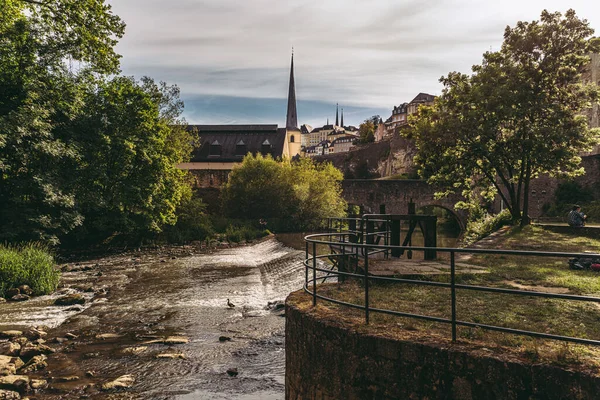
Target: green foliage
x=366, y=130
x=519, y=115
x=301, y=194
x=237, y=233
x=569, y=193
x=39, y=93
x=485, y=224
x=192, y=223
x=130, y=143
x=30, y=264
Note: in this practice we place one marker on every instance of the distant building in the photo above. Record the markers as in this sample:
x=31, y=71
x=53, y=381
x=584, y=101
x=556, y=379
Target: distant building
x=328, y=132
x=222, y=146
x=400, y=115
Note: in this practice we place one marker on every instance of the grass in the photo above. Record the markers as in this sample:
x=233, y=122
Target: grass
x=554, y=316
x=30, y=264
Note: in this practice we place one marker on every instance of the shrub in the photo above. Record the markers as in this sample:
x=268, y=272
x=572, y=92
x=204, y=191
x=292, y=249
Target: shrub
x=31, y=264
x=192, y=223
x=485, y=225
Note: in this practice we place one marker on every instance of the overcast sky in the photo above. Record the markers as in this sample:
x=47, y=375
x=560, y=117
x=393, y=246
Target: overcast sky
x=231, y=57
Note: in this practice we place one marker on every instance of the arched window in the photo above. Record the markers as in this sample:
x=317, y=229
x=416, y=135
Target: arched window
x=292, y=139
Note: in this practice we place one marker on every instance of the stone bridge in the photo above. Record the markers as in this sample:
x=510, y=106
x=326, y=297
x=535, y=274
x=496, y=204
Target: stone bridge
x=395, y=195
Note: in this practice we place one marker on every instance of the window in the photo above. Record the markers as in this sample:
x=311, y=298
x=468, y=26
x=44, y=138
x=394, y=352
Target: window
x=266, y=147
x=215, y=149
x=292, y=139
x=240, y=148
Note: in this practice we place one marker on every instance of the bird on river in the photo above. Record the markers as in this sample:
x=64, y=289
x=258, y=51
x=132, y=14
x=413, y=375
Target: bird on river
x=230, y=304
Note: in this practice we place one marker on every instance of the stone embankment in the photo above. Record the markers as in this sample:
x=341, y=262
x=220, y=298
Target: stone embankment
x=328, y=360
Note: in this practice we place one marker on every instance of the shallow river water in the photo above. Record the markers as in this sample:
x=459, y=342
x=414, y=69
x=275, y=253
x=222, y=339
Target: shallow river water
x=140, y=298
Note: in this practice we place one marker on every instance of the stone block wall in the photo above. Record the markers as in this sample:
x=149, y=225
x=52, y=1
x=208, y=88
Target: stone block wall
x=327, y=361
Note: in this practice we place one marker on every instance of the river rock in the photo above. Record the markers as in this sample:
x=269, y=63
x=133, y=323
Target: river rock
x=35, y=333
x=37, y=384
x=9, y=395
x=10, y=334
x=18, y=383
x=232, y=372
x=25, y=289
x=7, y=366
x=172, y=356
x=71, y=336
x=2, y=300
x=10, y=348
x=19, y=297
x=134, y=351
x=122, y=382
x=31, y=350
x=169, y=340
x=36, y=363
x=224, y=338
x=69, y=378
x=70, y=300
x=105, y=336
x=12, y=292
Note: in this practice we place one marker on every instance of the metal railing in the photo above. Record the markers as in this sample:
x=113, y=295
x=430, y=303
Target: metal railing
x=360, y=252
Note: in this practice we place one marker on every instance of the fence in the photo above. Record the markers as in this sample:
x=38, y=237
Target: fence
x=360, y=252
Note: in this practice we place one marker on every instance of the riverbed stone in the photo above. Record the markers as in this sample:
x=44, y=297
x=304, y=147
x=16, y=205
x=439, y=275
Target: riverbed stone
x=38, y=384
x=18, y=383
x=106, y=336
x=7, y=366
x=36, y=363
x=19, y=297
x=232, y=372
x=71, y=336
x=2, y=300
x=69, y=378
x=30, y=350
x=10, y=348
x=122, y=382
x=171, y=356
x=25, y=289
x=70, y=300
x=9, y=395
x=35, y=333
x=134, y=351
x=10, y=334
x=12, y=292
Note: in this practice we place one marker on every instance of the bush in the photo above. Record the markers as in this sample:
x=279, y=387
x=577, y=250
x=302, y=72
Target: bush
x=30, y=264
x=485, y=225
x=192, y=223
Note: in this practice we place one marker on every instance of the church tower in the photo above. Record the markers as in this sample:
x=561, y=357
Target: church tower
x=293, y=140
x=292, y=113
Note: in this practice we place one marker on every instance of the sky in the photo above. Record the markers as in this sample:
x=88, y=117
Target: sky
x=231, y=58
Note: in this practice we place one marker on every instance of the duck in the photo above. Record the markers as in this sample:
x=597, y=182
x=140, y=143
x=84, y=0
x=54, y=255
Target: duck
x=230, y=304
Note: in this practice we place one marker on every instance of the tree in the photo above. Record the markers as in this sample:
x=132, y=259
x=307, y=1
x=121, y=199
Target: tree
x=366, y=131
x=302, y=194
x=517, y=116
x=38, y=42
x=129, y=142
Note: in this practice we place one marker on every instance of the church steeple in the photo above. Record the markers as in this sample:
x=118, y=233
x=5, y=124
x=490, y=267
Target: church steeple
x=342, y=121
x=337, y=120
x=292, y=114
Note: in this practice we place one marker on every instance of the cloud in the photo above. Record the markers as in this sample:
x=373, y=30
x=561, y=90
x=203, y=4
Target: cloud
x=368, y=54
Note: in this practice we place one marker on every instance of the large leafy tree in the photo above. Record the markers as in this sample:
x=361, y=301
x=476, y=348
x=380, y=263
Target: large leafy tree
x=517, y=116
x=301, y=194
x=40, y=42
x=129, y=141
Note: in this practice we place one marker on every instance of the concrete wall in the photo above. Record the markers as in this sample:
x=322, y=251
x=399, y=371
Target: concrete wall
x=327, y=361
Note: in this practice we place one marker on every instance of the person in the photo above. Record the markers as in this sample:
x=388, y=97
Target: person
x=576, y=217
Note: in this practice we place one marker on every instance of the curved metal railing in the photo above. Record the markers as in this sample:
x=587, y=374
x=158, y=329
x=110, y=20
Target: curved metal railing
x=361, y=252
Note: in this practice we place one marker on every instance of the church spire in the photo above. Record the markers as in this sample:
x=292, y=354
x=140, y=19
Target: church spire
x=337, y=120
x=292, y=114
x=342, y=121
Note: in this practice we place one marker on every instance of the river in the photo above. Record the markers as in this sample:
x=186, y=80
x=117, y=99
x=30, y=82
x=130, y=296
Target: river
x=140, y=298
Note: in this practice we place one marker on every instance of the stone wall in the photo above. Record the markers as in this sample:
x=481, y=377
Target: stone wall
x=327, y=361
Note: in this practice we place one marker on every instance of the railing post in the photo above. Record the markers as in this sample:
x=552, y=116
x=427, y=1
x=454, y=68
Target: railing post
x=314, y=274
x=306, y=266
x=367, y=285
x=453, y=293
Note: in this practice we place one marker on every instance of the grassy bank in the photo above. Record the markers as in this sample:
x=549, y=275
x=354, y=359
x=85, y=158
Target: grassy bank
x=554, y=316
x=31, y=265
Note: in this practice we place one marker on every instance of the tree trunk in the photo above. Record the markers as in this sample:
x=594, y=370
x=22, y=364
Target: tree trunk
x=525, y=220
